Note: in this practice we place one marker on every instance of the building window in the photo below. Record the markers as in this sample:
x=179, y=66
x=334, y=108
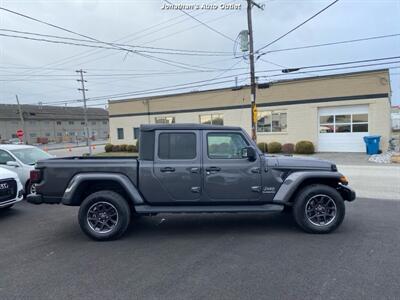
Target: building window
x=164, y=120
x=71, y=122
x=272, y=121
x=82, y=123
x=32, y=135
x=177, y=146
x=32, y=122
x=120, y=133
x=47, y=134
x=212, y=119
x=225, y=145
x=46, y=122
x=58, y=122
x=343, y=123
x=104, y=122
x=93, y=122
x=136, y=132
x=59, y=134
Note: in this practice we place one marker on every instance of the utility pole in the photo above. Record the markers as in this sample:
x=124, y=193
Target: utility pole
x=21, y=116
x=253, y=84
x=82, y=81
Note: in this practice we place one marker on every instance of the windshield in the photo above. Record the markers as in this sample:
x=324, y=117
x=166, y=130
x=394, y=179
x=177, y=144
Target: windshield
x=30, y=156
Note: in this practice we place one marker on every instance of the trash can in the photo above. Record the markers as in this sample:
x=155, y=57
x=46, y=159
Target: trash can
x=372, y=144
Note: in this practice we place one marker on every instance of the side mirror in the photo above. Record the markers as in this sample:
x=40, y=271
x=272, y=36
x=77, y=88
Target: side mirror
x=12, y=163
x=249, y=153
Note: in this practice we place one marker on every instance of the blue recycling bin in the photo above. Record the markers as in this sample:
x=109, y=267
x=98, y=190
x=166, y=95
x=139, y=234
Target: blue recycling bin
x=372, y=144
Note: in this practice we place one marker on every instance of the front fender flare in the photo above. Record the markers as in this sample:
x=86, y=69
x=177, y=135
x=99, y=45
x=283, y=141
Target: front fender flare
x=294, y=180
x=123, y=180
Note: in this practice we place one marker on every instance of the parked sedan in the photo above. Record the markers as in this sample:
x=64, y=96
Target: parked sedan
x=11, y=190
x=21, y=159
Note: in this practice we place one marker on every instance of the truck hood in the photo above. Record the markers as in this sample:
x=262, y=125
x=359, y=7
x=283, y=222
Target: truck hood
x=305, y=163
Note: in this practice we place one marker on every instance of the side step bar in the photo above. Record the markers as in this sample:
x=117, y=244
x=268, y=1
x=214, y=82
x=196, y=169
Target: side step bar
x=209, y=209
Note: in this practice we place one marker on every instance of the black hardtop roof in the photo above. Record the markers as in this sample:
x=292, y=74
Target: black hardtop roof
x=187, y=126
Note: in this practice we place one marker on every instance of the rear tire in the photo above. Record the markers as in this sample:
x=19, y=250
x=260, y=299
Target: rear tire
x=104, y=215
x=30, y=188
x=318, y=209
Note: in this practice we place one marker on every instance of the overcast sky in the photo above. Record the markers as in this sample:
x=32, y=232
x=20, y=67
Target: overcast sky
x=45, y=72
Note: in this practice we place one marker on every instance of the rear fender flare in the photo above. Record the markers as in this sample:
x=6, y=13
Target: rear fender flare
x=134, y=196
x=294, y=180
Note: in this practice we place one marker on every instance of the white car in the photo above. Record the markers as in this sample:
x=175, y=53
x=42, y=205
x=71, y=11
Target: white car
x=11, y=189
x=21, y=159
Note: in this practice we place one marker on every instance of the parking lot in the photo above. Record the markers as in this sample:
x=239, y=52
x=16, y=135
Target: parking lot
x=44, y=255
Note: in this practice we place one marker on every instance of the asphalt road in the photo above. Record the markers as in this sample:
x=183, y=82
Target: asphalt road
x=44, y=255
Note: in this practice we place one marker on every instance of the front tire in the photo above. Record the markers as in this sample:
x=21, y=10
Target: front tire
x=104, y=215
x=319, y=209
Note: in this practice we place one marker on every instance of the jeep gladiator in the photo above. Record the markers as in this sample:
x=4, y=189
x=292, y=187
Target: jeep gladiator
x=192, y=168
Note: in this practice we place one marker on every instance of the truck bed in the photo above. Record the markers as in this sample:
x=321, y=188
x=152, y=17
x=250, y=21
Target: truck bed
x=58, y=172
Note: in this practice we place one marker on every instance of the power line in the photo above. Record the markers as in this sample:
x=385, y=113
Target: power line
x=343, y=63
x=298, y=26
x=330, y=44
x=143, y=32
x=184, y=85
x=141, y=48
x=336, y=69
x=165, y=61
x=135, y=34
x=204, y=24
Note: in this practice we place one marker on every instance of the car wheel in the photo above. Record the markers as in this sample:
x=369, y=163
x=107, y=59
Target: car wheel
x=30, y=188
x=104, y=215
x=319, y=209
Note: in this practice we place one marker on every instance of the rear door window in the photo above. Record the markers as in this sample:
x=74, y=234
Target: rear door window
x=179, y=145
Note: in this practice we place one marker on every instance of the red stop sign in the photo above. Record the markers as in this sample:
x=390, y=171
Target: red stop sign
x=20, y=133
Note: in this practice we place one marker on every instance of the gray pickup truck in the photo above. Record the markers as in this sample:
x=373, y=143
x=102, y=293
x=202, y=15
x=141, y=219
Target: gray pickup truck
x=192, y=168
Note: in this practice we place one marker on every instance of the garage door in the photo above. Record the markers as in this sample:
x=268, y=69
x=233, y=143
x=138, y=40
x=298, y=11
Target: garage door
x=342, y=128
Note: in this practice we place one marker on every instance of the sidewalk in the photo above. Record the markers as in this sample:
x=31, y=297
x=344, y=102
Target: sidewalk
x=345, y=158
x=370, y=180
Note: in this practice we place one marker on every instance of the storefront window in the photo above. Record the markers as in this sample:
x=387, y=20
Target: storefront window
x=272, y=121
x=213, y=119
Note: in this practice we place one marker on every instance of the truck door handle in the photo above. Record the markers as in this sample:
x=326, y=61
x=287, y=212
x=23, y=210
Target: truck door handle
x=167, y=170
x=195, y=189
x=195, y=170
x=213, y=169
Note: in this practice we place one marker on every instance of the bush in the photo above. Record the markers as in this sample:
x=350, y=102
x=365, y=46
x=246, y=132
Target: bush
x=263, y=147
x=304, y=147
x=116, y=148
x=108, y=147
x=274, y=147
x=131, y=148
x=288, y=148
x=123, y=147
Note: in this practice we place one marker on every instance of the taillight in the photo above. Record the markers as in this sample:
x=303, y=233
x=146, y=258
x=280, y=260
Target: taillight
x=35, y=176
